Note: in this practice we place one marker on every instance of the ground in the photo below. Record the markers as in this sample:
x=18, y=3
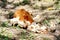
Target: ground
x=49, y=16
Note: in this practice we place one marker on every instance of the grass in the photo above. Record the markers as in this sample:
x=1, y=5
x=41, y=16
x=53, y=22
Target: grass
x=22, y=3
x=57, y=4
x=10, y=15
x=26, y=36
x=36, y=7
x=44, y=38
x=46, y=22
x=3, y=4
x=26, y=2
x=3, y=34
x=2, y=37
x=4, y=24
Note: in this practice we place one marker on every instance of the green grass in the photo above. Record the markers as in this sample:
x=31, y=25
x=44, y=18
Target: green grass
x=36, y=7
x=26, y=36
x=16, y=4
x=2, y=37
x=26, y=2
x=10, y=15
x=46, y=22
x=57, y=4
x=4, y=24
x=22, y=3
x=3, y=4
x=44, y=38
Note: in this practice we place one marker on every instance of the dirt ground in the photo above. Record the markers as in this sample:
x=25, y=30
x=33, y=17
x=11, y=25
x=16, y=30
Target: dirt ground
x=49, y=16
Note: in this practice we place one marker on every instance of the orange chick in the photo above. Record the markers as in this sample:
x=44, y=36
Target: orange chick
x=23, y=15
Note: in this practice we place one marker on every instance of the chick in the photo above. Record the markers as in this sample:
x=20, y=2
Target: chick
x=23, y=18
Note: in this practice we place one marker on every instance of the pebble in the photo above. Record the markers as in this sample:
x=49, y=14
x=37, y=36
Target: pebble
x=9, y=6
x=17, y=1
x=10, y=1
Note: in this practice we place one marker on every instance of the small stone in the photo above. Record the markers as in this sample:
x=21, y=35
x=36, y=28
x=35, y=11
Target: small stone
x=10, y=1
x=43, y=28
x=16, y=1
x=10, y=6
x=21, y=0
